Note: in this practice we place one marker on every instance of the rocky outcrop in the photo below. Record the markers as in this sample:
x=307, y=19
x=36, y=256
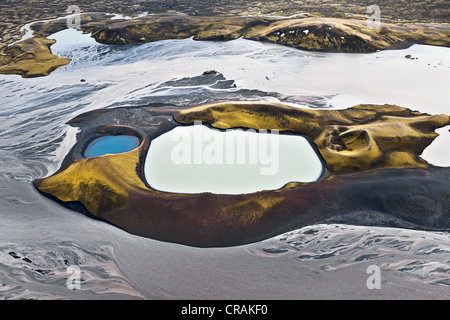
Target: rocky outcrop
x=372, y=156
x=317, y=34
x=361, y=138
x=16, y=13
x=31, y=58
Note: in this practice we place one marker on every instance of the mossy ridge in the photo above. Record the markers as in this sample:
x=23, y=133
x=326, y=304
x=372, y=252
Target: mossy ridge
x=17, y=13
x=249, y=211
x=87, y=180
x=32, y=58
x=316, y=34
x=111, y=187
x=361, y=138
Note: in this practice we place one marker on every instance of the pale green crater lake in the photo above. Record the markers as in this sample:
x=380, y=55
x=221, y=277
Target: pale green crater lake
x=197, y=159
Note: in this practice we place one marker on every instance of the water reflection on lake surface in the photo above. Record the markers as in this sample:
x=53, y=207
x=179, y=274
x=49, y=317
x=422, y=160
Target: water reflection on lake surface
x=197, y=159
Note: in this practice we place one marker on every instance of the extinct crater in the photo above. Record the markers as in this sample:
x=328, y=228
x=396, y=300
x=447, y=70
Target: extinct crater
x=33, y=57
x=371, y=154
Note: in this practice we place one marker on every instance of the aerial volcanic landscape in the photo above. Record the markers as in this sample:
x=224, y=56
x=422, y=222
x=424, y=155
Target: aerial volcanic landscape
x=167, y=150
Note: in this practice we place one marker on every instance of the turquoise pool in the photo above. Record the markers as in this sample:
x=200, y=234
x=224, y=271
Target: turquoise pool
x=111, y=144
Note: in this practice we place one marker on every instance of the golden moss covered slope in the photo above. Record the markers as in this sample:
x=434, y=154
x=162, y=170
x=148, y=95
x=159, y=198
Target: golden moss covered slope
x=353, y=143
x=361, y=138
x=31, y=58
x=318, y=34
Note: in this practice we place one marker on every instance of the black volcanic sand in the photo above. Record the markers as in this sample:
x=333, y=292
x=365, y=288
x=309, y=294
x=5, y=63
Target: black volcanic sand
x=406, y=198
x=40, y=239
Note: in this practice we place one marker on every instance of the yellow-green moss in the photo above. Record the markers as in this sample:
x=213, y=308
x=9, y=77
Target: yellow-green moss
x=32, y=58
x=362, y=138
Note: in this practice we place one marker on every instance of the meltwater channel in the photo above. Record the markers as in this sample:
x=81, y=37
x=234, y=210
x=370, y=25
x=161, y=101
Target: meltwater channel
x=40, y=240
